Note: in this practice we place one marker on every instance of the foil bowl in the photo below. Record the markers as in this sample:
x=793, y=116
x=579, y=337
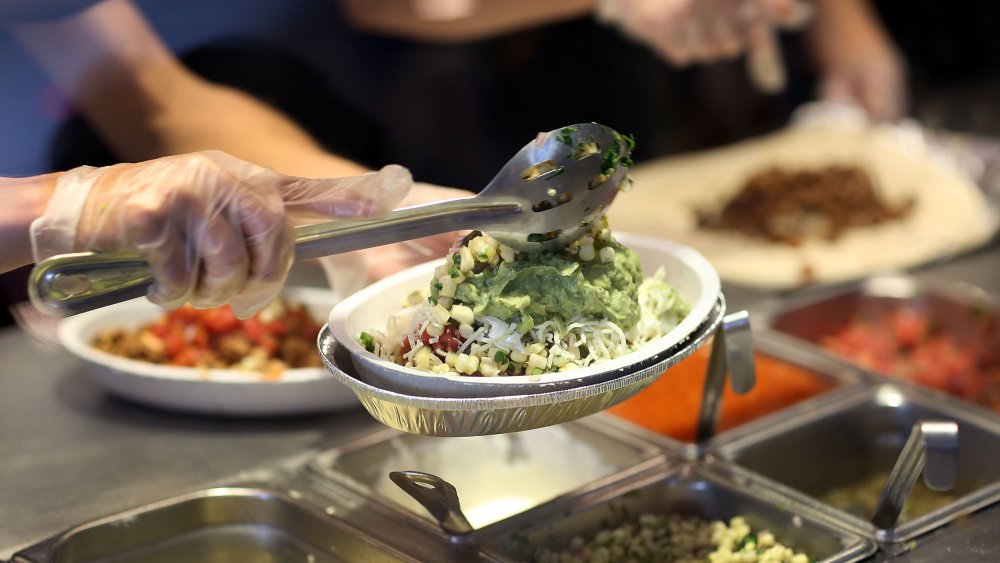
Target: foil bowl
x=520, y=409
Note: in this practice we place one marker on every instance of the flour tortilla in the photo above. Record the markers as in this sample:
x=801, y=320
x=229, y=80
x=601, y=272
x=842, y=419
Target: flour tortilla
x=951, y=213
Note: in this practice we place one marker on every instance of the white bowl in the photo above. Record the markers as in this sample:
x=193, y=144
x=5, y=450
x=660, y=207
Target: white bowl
x=686, y=270
x=217, y=391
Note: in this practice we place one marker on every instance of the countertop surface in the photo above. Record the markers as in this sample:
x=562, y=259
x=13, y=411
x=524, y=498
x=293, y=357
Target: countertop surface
x=69, y=452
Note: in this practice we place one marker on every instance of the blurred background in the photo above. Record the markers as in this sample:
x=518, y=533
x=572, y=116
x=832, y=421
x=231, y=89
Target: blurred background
x=454, y=111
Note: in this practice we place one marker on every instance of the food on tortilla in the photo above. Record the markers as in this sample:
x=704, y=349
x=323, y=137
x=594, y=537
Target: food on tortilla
x=949, y=212
x=492, y=310
x=790, y=206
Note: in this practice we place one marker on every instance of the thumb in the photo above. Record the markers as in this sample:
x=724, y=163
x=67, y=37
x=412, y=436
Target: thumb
x=353, y=196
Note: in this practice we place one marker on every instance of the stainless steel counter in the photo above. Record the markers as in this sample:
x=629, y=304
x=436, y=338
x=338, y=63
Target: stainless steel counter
x=69, y=452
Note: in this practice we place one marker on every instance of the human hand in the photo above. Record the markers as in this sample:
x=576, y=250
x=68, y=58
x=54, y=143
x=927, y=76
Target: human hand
x=860, y=66
x=214, y=228
x=352, y=271
x=693, y=31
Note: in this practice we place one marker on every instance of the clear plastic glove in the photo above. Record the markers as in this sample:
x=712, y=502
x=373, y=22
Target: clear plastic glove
x=692, y=31
x=215, y=229
x=352, y=271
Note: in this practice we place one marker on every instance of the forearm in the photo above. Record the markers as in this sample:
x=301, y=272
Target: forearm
x=470, y=21
x=145, y=104
x=22, y=200
x=837, y=21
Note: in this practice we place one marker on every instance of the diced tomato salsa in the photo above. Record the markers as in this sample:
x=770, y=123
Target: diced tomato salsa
x=906, y=343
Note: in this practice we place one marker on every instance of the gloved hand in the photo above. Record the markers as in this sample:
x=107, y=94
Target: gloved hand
x=690, y=31
x=215, y=229
x=352, y=271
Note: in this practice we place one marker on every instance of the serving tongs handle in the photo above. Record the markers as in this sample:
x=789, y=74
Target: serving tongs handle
x=932, y=447
x=732, y=355
x=68, y=284
x=438, y=496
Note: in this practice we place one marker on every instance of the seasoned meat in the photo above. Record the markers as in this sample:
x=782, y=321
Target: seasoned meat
x=791, y=206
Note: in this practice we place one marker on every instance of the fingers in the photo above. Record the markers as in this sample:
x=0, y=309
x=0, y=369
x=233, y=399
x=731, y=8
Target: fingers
x=765, y=64
x=224, y=262
x=357, y=196
x=269, y=242
x=214, y=228
x=698, y=31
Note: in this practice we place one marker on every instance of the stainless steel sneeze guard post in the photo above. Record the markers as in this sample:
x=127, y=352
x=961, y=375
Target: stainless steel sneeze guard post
x=732, y=354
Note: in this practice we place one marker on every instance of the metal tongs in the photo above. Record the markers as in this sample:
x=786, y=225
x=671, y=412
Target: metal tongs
x=545, y=197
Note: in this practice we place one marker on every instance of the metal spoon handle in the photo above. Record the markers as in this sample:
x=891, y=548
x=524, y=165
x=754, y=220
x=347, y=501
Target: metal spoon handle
x=931, y=447
x=68, y=284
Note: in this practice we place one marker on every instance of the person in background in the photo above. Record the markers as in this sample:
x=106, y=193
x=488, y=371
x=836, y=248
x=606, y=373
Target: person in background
x=215, y=229
x=145, y=104
x=855, y=57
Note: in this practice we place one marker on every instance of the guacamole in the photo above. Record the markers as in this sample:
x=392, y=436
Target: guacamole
x=540, y=286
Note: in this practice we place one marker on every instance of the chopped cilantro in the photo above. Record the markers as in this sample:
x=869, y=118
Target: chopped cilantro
x=368, y=341
x=453, y=272
x=746, y=540
x=437, y=285
x=456, y=259
x=500, y=357
x=609, y=160
x=565, y=135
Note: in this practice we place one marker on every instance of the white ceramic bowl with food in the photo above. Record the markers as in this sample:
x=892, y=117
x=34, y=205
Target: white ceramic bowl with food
x=686, y=270
x=225, y=392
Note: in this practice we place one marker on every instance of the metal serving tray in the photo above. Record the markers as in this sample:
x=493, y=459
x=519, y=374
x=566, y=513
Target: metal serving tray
x=860, y=435
x=967, y=313
x=244, y=525
x=496, y=476
x=838, y=376
x=690, y=490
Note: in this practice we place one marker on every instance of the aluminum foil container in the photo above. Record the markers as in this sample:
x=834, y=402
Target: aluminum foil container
x=521, y=410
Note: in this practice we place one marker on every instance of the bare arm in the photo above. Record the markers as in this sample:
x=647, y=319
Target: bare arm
x=858, y=59
x=22, y=200
x=445, y=21
x=145, y=104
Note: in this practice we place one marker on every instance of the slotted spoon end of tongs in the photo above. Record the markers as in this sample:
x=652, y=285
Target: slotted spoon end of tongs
x=568, y=177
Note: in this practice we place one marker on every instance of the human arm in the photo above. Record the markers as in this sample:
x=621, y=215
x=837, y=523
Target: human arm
x=22, y=200
x=145, y=104
x=448, y=21
x=857, y=59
